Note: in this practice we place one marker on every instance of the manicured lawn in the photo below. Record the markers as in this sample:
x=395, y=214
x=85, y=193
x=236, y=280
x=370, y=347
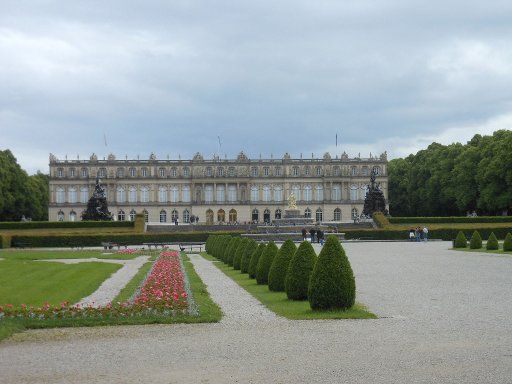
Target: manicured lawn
x=279, y=303
x=34, y=282
x=483, y=250
x=26, y=254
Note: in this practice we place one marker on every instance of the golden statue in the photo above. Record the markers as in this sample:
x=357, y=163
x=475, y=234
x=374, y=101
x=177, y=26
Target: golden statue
x=292, y=201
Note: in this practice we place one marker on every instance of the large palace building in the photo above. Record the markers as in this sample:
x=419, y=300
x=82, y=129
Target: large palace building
x=216, y=191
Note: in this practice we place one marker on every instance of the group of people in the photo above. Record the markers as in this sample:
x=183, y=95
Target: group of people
x=418, y=234
x=315, y=234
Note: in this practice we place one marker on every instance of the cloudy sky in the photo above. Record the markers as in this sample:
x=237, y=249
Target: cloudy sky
x=266, y=76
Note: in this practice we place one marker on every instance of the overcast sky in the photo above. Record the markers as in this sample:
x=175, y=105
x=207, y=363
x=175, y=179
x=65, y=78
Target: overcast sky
x=267, y=77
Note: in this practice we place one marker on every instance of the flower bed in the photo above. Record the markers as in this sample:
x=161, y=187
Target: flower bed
x=163, y=293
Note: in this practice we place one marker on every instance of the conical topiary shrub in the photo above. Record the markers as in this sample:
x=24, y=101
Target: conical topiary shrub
x=476, y=241
x=231, y=255
x=299, y=272
x=507, y=244
x=265, y=262
x=255, y=257
x=229, y=249
x=237, y=258
x=279, y=267
x=492, y=242
x=332, y=284
x=246, y=257
x=460, y=241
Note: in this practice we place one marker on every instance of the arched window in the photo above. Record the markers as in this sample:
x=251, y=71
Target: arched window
x=232, y=216
x=319, y=171
x=186, y=172
x=376, y=170
x=278, y=214
x=337, y=214
x=186, y=194
x=144, y=194
x=296, y=192
x=319, y=193
x=355, y=213
x=220, y=172
x=146, y=215
x=132, y=215
x=319, y=215
x=120, y=215
x=353, y=192
x=144, y=172
x=162, y=194
x=186, y=216
x=209, y=217
x=72, y=216
x=353, y=171
x=255, y=193
x=84, y=195
x=84, y=172
x=133, y=172
x=208, y=194
x=132, y=195
x=266, y=215
x=232, y=193
x=161, y=172
x=278, y=193
x=174, y=172
x=174, y=215
x=266, y=193
x=120, y=195
x=102, y=173
x=255, y=215
x=307, y=193
x=60, y=216
x=336, y=192
x=221, y=216
x=60, y=196
x=163, y=216
x=72, y=195
x=307, y=213
x=295, y=171
x=120, y=172
x=221, y=194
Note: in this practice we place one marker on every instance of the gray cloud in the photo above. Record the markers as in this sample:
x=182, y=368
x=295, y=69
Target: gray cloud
x=268, y=77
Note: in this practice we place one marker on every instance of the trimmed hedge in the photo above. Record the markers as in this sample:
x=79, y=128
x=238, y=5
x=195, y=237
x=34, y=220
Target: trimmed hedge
x=96, y=240
x=332, y=284
x=460, y=241
x=5, y=241
x=255, y=257
x=492, y=243
x=231, y=255
x=299, y=272
x=65, y=224
x=380, y=220
x=450, y=219
x=265, y=262
x=442, y=234
x=476, y=241
x=225, y=255
x=279, y=267
x=237, y=258
x=246, y=257
x=507, y=244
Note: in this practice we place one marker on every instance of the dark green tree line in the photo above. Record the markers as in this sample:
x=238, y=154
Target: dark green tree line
x=21, y=194
x=450, y=180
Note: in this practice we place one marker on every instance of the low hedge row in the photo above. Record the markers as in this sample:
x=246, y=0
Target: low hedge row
x=96, y=240
x=442, y=234
x=5, y=241
x=450, y=219
x=65, y=224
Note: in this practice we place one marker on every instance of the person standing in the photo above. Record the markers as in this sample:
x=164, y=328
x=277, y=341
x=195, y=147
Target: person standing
x=304, y=234
x=425, y=233
x=417, y=234
x=411, y=234
x=312, y=233
x=320, y=236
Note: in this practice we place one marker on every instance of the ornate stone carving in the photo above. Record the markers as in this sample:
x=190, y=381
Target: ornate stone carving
x=242, y=156
x=53, y=158
x=198, y=157
x=93, y=158
x=111, y=157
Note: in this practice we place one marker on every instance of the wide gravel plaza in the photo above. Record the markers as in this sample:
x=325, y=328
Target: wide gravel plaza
x=445, y=317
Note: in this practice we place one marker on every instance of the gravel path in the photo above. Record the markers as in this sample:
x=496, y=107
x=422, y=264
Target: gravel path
x=446, y=320
x=111, y=287
x=238, y=306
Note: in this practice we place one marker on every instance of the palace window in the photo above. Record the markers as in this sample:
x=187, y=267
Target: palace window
x=232, y=216
x=319, y=215
x=221, y=194
x=208, y=194
x=121, y=195
x=162, y=195
x=132, y=195
x=336, y=193
x=72, y=216
x=144, y=195
x=266, y=193
x=306, y=171
x=353, y=192
x=307, y=213
x=353, y=171
x=133, y=172
x=60, y=172
x=163, y=216
x=266, y=171
x=84, y=172
x=319, y=193
x=174, y=215
x=146, y=215
x=186, y=172
x=296, y=192
x=336, y=171
x=144, y=172
x=231, y=171
x=209, y=217
x=120, y=215
x=208, y=171
x=355, y=213
x=221, y=216
x=278, y=193
x=132, y=215
x=220, y=172
x=376, y=170
x=278, y=214
x=60, y=196
x=337, y=214
x=120, y=172
x=72, y=195
x=185, y=194
x=278, y=171
x=186, y=216
x=307, y=193
x=174, y=194
x=364, y=171
x=232, y=194
x=174, y=172
x=255, y=193
x=161, y=172
x=319, y=171
x=254, y=171
x=255, y=215
x=102, y=173
x=72, y=173
x=295, y=171
x=84, y=195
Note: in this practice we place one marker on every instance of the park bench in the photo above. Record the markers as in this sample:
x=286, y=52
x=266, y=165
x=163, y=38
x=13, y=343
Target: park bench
x=156, y=245
x=109, y=245
x=191, y=246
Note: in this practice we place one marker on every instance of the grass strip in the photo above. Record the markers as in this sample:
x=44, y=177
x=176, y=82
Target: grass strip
x=130, y=288
x=483, y=250
x=278, y=302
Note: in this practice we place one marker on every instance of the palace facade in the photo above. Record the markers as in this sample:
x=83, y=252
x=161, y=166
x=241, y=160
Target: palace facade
x=217, y=190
